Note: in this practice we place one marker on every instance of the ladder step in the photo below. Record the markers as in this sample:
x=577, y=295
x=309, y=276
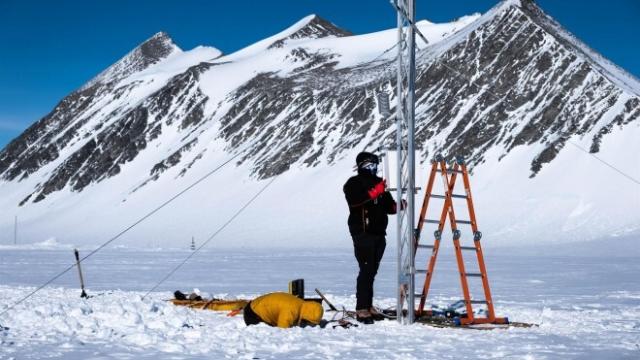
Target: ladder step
x=432, y=221
x=450, y=170
x=426, y=246
x=468, y=248
x=473, y=274
x=478, y=301
x=463, y=222
x=437, y=196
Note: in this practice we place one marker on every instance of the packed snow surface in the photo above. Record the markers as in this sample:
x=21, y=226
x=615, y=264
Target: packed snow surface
x=586, y=307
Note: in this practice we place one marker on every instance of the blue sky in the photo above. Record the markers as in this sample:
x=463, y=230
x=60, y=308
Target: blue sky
x=50, y=48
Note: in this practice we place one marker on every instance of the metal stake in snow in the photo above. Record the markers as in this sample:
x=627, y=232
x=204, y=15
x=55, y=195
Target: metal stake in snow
x=83, y=294
x=405, y=143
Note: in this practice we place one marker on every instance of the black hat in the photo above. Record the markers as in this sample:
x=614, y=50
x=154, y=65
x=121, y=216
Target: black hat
x=366, y=157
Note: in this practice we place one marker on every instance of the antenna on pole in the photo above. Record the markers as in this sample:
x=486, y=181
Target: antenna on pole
x=405, y=143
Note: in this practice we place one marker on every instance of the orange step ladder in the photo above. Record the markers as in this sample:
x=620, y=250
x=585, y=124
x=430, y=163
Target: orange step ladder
x=449, y=177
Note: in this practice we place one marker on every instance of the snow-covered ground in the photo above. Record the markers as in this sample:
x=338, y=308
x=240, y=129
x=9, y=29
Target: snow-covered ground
x=588, y=307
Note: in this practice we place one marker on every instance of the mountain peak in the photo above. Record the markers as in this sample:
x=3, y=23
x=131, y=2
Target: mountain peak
x=602, y=65
x=517, y=3
x=311, y=27
x=508, y=4
x=158, y=46
x=151, y=51
x=322, y=27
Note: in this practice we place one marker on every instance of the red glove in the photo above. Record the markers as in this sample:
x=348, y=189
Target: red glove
x=377, y=190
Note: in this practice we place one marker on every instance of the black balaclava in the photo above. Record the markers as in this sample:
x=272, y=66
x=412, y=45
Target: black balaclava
x=367, y=163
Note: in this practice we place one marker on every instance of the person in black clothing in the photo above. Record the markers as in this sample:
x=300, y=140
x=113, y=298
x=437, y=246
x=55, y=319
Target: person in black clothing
x=369, y=203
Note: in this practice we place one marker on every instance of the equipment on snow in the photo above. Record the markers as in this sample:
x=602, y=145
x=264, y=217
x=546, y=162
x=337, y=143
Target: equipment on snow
x=377, y=315
x=449, y=176
x=213, y=304
x=77, y=254
x=179, y=295
x=333, y=308
x=195, y=301
x=296, y=288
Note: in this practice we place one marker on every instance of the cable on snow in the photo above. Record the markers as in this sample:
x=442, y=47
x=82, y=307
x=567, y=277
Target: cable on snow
x=170, y=273
x=149, y=214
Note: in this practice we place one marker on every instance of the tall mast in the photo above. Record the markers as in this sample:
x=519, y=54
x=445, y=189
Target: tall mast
x=405, y=142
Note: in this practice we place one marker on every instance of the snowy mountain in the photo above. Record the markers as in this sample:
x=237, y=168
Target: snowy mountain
x=538, y=118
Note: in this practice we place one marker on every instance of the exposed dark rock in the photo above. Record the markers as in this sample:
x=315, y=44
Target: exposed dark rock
x=546, y=156
x=632, y=113
x=172, y=160
x=67, y=169
x=150, y=52
x=316, y=28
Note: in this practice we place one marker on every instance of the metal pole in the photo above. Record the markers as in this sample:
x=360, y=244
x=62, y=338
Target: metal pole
x=405, y=138
x=411, y=191
x=399, y=119
x=83, y=294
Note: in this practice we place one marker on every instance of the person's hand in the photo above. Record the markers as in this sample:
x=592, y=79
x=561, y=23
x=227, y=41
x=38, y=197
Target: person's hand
x=377, y=190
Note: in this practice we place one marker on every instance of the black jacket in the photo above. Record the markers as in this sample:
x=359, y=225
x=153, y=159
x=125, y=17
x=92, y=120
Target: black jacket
x=367, y=215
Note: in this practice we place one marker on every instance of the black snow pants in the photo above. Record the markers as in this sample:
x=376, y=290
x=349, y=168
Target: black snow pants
x=250, y=317
x=368, y=249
